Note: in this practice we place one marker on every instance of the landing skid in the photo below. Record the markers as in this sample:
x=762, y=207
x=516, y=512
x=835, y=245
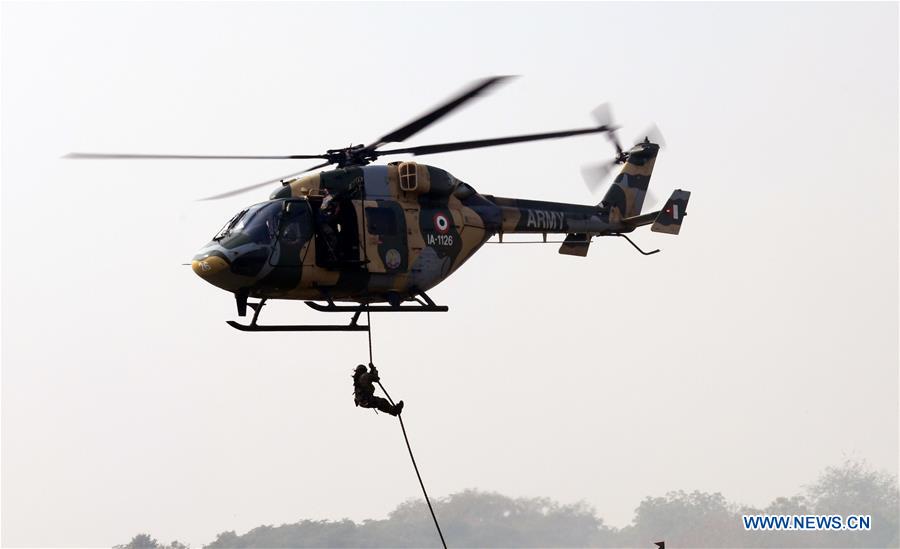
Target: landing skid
x=425, y=305
x=354, y=326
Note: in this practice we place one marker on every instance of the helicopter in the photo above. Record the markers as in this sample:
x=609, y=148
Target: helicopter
x=365, y=237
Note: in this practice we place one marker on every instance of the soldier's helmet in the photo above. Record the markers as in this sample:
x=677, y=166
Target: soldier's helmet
x=360, y=369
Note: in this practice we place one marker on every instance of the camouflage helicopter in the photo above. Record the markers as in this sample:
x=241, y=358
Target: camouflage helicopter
x=392, y=232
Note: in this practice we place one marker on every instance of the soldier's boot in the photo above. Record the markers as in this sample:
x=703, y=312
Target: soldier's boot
x=383, y=406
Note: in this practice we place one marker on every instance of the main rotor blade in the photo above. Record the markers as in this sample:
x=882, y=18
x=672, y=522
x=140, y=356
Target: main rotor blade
x=263, y=184
x=116, y=156
x=461, y=145
x=404, y=132
x=603, y=116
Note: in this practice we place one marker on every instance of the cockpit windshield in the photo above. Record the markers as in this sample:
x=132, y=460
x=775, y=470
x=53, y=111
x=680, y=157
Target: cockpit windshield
x=255, y=224
x=224, y=230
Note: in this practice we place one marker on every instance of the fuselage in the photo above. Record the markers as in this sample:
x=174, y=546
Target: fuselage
x=398, y=230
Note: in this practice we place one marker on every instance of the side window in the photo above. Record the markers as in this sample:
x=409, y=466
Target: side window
x=290, y=232
x=408, y=176
x=381, y=221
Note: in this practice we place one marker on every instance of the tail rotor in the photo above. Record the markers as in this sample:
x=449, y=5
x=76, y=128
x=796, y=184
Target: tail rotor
x=596, y=174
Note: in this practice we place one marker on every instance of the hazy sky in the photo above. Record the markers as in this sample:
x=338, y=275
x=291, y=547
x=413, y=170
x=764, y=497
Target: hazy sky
x=758, y=348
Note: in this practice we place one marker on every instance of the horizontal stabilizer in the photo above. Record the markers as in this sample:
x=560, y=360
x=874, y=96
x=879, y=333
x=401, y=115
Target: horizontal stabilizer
x=673, y=213
x=575, y=244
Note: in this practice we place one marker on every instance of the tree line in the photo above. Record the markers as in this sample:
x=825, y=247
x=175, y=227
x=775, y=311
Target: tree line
x=683, y=519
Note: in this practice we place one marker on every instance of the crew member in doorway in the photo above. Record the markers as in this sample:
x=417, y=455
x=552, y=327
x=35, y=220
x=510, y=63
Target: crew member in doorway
x=328, y=215
x=364, y=391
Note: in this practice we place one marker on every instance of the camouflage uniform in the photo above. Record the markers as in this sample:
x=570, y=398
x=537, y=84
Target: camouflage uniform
x=364, y=391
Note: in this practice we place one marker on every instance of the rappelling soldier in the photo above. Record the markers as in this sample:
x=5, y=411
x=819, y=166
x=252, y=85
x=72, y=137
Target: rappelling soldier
x=364, y=391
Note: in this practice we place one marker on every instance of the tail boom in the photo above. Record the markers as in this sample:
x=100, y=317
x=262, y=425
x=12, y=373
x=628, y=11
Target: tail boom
x=537, y=216
x=580, y=223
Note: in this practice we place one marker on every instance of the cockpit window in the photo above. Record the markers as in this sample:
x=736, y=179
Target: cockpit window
x=224, y=230
x=255, y=224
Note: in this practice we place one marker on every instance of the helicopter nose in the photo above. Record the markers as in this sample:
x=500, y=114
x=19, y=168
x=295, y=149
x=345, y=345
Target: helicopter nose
x=209, y=266
x=215, y=269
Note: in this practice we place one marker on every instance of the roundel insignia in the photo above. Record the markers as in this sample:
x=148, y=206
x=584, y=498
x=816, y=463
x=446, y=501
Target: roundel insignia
x=392, y=259
x=441, y=223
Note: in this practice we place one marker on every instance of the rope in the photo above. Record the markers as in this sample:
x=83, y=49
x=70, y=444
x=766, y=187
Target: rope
x=399, y=416
x=369, y=325
x=406, y=438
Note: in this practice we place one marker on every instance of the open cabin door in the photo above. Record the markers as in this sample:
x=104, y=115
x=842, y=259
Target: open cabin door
x=337, y=244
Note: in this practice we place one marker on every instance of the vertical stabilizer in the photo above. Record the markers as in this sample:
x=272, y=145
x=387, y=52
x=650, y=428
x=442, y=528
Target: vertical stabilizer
x=671, y=216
